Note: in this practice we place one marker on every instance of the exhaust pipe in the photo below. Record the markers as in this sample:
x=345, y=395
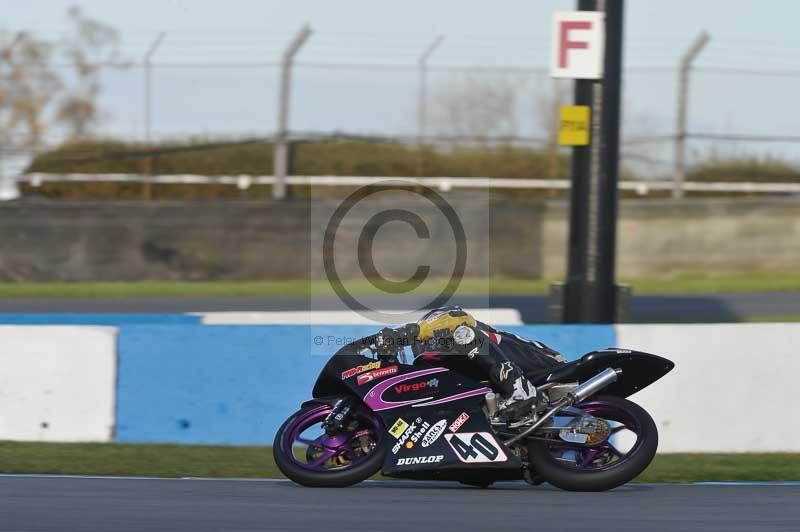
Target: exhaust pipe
x=579, y=394
x=595, y=384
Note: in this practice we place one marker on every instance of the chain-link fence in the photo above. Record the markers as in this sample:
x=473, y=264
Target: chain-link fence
x=467, y=90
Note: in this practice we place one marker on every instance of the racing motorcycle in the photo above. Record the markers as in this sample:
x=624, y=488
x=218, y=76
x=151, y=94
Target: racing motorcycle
x=436, y=418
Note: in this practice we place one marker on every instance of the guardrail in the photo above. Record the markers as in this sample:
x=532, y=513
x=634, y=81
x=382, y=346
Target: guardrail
x=444, y=184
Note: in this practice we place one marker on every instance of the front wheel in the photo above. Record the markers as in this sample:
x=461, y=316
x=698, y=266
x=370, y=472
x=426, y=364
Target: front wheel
x=307, y=455
x=616, y=460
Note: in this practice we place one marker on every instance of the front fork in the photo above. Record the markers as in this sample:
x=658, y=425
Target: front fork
x=337, y=418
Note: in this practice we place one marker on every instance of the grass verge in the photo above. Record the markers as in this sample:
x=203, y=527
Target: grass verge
x=256, y=462
x=723, y=467
x=684, y=284
x=780, y=318
x=122, y=459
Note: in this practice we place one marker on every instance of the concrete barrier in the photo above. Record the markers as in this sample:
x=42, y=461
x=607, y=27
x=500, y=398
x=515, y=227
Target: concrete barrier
x=57, y=383
x=229, y=384
x=102, y=240
x=211, y=384
x=733, y=388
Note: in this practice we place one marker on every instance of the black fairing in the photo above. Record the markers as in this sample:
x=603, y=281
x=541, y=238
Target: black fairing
x=639, y=370
x=427, y=413
x=328, y=382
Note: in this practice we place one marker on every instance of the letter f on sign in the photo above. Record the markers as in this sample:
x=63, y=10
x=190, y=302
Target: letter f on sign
x=565, y=44
x=578, y=39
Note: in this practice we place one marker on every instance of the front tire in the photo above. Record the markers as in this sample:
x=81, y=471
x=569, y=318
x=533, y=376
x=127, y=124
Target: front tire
x=605, y=467
x=329, y=461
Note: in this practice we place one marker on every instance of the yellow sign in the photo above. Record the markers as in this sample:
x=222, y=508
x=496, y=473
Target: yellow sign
x=398, y=428
x=573, y=125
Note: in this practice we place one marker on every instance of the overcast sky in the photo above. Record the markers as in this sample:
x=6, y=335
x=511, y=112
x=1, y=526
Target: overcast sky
x=208, y=79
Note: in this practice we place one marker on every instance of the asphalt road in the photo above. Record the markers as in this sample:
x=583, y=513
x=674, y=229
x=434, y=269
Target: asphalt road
x=721, y=307
x=72, y=504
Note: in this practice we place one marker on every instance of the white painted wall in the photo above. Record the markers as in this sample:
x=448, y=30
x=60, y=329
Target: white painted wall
x=57, y=383
x=735, y=387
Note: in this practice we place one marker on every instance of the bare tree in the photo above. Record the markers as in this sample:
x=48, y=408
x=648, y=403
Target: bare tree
x=27, y=85
x=478, y=108
x=30, y=86
x=547, y=110
x=91, y=46
x=548, y=105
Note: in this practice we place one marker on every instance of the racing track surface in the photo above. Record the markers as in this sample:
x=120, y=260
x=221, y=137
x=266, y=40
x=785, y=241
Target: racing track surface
x=72, y=504
x=721, y=307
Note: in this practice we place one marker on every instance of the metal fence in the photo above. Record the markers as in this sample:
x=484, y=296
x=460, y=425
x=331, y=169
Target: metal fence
x=446, y=90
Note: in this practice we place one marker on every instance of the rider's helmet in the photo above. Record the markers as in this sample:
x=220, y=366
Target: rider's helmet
x=442, y=321
x=436, y=329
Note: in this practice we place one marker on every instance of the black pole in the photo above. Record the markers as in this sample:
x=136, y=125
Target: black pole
x=576, y=289
x=590, y=291
x=609, y=164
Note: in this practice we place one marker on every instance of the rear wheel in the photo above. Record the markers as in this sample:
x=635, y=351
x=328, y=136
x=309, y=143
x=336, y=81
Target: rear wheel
x=307, y=455
x=618, y=459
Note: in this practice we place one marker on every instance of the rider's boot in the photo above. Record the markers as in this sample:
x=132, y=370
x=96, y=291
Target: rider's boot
x=519, y=396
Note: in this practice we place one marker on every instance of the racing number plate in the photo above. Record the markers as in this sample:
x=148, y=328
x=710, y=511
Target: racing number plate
x=476, y=447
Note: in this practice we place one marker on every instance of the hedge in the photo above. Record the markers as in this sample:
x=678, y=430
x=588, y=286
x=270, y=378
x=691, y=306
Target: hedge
x=325, y=157
x=329, y=157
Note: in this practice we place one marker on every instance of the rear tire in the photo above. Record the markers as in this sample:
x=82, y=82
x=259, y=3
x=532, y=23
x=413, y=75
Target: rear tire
x=318, y=479
x=626, y=470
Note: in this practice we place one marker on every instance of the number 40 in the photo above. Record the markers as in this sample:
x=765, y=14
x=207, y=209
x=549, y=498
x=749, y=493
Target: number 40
x=477, y=444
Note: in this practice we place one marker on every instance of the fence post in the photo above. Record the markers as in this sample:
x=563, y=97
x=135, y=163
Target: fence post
x=148, y=107
x=422, y=96
x=688, y=58
x=280, y=163
x=148, y=85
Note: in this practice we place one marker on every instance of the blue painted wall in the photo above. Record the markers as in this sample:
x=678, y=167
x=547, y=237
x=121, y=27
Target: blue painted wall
x=236, y=384
x=572, y=341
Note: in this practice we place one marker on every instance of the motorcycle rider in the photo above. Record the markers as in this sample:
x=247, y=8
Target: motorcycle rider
x=454, y=331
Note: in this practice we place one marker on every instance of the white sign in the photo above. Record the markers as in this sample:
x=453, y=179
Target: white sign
x=476, y=447
x=578, y=41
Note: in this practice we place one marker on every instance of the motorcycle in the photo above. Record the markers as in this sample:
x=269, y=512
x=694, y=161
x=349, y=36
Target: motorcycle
x=373, y=410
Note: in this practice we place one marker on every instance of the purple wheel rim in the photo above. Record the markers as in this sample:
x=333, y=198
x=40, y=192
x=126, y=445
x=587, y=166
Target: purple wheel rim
x=323, y=451
x=603, y=456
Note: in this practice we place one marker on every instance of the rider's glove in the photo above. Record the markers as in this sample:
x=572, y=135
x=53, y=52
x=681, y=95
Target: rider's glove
x=386, y=338
x=389, y=339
